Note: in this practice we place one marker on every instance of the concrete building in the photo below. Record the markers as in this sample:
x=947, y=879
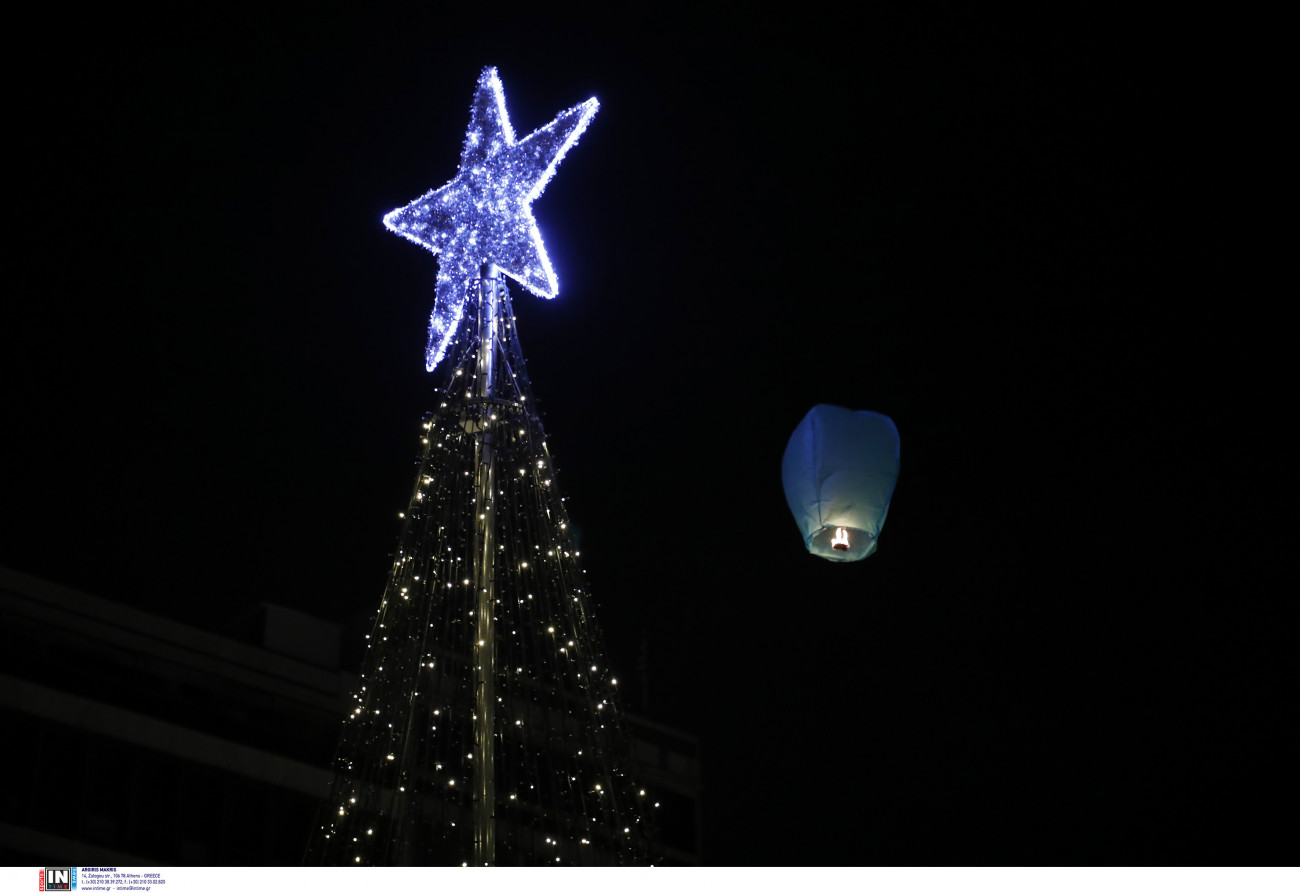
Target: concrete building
x=137, y=740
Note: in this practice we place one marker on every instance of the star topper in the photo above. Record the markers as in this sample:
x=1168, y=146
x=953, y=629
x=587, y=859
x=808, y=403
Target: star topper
x=485, y=213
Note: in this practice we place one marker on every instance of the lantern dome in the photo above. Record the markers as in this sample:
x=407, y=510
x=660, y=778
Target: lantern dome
x=839, y=471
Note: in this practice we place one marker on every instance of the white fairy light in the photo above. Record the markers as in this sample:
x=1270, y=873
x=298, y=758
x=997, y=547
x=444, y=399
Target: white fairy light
x=485, y=213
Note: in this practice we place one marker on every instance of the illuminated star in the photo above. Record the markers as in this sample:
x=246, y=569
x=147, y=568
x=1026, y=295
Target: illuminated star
x=485, y=214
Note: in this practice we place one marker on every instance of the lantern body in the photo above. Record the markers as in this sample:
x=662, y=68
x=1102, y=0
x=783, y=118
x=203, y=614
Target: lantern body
x=839, y=471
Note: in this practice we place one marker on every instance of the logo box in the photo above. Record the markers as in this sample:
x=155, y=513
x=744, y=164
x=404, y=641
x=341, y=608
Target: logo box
x=59, y=879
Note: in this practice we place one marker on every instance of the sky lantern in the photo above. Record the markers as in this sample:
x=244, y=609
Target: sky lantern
x=839, y=471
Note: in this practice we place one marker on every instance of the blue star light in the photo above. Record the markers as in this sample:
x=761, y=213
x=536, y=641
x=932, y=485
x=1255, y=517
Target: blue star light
x=484, y=215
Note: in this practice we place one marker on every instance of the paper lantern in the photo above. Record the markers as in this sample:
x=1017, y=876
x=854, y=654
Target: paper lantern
x=839, y=471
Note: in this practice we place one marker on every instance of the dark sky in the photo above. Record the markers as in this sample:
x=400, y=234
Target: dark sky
x=212, y=377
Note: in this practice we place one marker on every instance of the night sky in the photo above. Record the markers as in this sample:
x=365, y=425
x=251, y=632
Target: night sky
x=213, y=380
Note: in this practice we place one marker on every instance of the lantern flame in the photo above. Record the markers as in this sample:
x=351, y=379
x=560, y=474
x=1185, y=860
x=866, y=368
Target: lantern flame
x=841, y=541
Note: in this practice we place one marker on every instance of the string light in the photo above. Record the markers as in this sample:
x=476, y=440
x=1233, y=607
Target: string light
x=413, y=727
x=484, y=214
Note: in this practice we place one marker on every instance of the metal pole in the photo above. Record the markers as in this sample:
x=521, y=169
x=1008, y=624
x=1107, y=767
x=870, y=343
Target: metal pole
x=485, y=650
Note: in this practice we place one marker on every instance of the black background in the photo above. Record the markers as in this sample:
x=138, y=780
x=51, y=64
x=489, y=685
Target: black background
x=212, y=378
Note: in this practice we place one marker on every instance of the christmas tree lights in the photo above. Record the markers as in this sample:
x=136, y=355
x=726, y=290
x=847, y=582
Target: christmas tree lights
x=484, y=215
x=486, y=728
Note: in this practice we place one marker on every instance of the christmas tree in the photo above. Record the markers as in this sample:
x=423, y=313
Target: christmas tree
x=486, y=730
